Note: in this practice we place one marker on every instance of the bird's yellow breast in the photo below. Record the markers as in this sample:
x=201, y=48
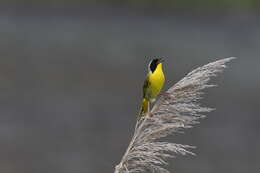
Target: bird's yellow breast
x=156, y=80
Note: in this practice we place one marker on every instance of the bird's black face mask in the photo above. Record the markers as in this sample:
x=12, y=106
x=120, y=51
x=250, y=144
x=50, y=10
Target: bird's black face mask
x=154, y=64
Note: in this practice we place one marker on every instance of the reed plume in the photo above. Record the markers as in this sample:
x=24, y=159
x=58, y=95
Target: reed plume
x=173, y=112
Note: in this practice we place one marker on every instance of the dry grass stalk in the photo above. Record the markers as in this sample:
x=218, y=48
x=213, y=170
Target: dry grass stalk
x=172, y=113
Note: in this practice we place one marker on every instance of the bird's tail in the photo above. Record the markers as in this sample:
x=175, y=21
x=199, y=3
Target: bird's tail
x=144, y=108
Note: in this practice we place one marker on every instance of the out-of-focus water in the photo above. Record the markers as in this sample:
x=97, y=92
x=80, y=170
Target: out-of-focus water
x=70, y=88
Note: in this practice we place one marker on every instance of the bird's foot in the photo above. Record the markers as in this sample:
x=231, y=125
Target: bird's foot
x=150, y=114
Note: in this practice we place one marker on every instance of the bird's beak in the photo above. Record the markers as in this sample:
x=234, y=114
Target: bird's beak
x=161, y=60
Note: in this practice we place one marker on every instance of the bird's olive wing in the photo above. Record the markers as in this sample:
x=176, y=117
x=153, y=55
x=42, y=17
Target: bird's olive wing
x=145, y=87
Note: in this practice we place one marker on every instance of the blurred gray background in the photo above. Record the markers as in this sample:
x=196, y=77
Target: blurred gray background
x=71, y=74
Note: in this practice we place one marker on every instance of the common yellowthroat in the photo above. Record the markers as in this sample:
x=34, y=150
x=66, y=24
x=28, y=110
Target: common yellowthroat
x=152, y=85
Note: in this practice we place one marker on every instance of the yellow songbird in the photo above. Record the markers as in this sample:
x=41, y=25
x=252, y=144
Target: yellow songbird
x=152, y=85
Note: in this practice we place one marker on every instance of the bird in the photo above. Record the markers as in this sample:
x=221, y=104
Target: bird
x=152, y=86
